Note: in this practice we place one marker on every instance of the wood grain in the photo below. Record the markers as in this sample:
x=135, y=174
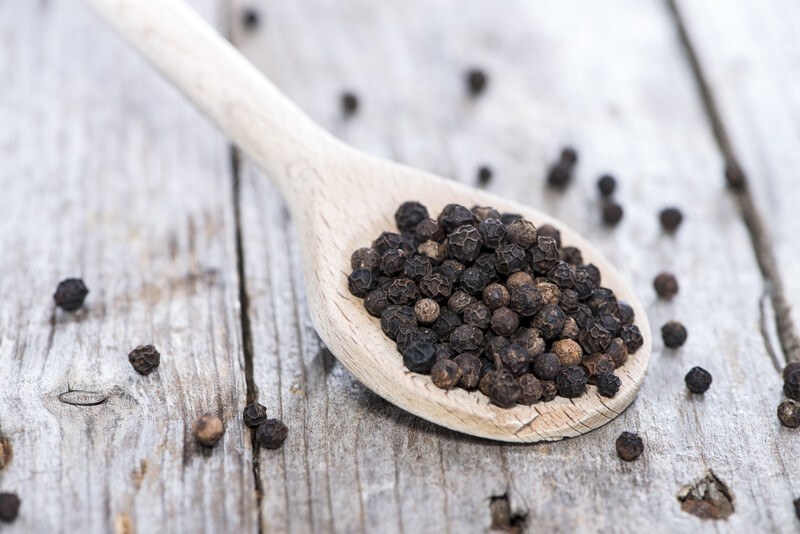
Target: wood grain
x=610, y=78
x=110, y=175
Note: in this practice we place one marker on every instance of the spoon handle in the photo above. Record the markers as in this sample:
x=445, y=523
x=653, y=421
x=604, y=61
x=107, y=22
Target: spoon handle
x=243, y=103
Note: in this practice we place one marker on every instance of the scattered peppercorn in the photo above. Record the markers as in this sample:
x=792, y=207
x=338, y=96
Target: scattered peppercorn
x=790, y=368
x=480, y=299
x=629, y=446
x=670, y=218
x=606, y=184
x=484, y=175
x=789, y=413
x=476, y=81
x=612, y=213
x=9, y=507
x=666, y=285
x=250, y=18
x=70, y=294
x=349, y=103
x=674, y=334
x=254, y=414
x=144, y=359
x=569, y=155
x=791, y=385
x=698, y=380
x=208, y=430
x=560, y=175
x=271, y=434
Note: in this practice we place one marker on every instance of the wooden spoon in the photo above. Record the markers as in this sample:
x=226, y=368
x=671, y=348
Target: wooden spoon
x=340, y=200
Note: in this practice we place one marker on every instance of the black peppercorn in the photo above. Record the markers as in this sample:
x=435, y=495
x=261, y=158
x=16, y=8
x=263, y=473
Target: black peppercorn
x=453, y=216
x=451, y=269
x=531, y=389
x=582, y=315
x=789, y=413
x=474, y=281
x=349, y=103
x=467, y=338
x=625, y=313
x=477, y=314
x=416, y=267
x=698, y=380
x=484, y=175
x=549, y=321
x=559, y=175
x=504, y=390
x=429, y=230
x=445, y=324
x=601, y=299
x=609, y=322
x=594, y=273
x=608, y=384
x=444, y=352
x=365, y=258
x=509, y=258
x=419, y=357
x=487, y=265
x=470, y=366
x=632, y=337
x=208, y=430
x=606, y=184
x=674, y=334
x=271, y=434
x=617, y=351
x=791, y=385
x=797, y=508
x=666, y=285
x=392, y=261
x=362, y=281
x=629, y=446
x=548, y=230
x=549, y=390
x=409, y=215
x=413, y=334
x=526, y=301
x=495, y=346
x=544, y=255
x=70, y=294
x=612, y=213
x=9, y=507
x=531, y=340
x=504, y=322
x=790, y=368
x=435, y=286
x=570, y=329
x=476, y=81
x=386, y=241
x=670, y=218
x=546, y=366
x=514, y=359
x=375, y=302
x=144, y=359
x=250, y=18
x=437, y=252
x=508, y=218
x=254, y=414
x=568, y=300
x=571, y=381
x=402, y=291
x=459, y=300
x=445, y=374
x=582, y=283
x=572, y=255
x=465, y=243
x=562, y=274
x=569, y=155
x=395, y=318
x=596, y=365
x=493, y=232
x=496, y=296
x=521, y=232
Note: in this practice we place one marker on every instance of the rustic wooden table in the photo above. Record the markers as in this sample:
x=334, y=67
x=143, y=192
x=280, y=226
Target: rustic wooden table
x=107, y=173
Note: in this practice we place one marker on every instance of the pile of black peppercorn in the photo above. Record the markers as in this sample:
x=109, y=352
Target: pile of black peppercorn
x=483, y=300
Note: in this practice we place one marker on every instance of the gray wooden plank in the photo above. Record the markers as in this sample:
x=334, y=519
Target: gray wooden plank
x=609, y=77
x=110, y=175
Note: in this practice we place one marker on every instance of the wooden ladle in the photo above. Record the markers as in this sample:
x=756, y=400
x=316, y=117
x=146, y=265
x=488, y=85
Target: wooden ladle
x=341, y=199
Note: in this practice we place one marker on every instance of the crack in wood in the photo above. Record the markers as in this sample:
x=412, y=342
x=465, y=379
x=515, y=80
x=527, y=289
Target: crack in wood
x=707, y=498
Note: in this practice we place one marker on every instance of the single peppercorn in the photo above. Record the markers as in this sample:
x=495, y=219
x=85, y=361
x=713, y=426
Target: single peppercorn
x=254, y=414
x=478, y=314
x=365, y=258
x=362, y=281
x=526, y=301
x=612, y=213
x=453, y=216
x=596, y=365
x=436, y=252
x=208, y=430
x=429, y=230
x=402, y=291
x=375, y=302
x=549, y=321
x=504, y=390
x=570, y=329
x=698, y=380
x=670, y=218
x=409, y=215
x=444, y=352
x=467, y=338
x=569, y=155
x=451, y=269
x=465, y=243
x=483, y=213
x=9, y=507
x=791, y=385
x=521, y=232
x=632, y=337
x=549, y=390
x=790, y=368
x=394, y=318
x=568, y=352
x=531, y=389
x=426, y=311
x=518, y=279
x=349, y=103
x=144, y=359
x=271, y=434
x=392, y=261
x=789, y=413
x=476, y=81
x=548, y=230
x=514, y=359
x=419, y=356
x=625, y=313
x=445, y=374
x=674, y=334
x=493, y=232
x=608, y=384
x=459, y=300
x=496, y=296
x=474, y=281
x=546, y=366
x=416, y=267
x=563, y=275
x=606, y=184
x=509, y=258
x=504, y=322
x=571, y=381
x=250, y=18
x=666, y=285
x=617, y=351
x=436, y=286
x=572, y=255
x=70, y=294
x=629, y=446
x=531, y=340
x=484, y=175
x=445, y=324
x=559, y=175
x=470, y=366
x=413, y=334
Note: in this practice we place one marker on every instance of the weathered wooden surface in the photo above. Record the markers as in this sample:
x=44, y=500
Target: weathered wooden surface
x=108, y=174
x=132, y=190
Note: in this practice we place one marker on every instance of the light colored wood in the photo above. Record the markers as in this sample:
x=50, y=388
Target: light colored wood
x=107, y=173
x=610, y=78
x=341, y=200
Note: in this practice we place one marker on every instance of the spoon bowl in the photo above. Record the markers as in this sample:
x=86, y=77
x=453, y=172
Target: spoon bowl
x=341, y=200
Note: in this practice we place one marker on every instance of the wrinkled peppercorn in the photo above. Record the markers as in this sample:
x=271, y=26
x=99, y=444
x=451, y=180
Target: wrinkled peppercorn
x=254, y=414
x=612, y=213
x=467, y=338
x=549, y=390
x=375, y=302
x=70, y=294
x=514, y=359
x=530, y=339
x=208, y=430
x=474, y=281
x=459, y=300
x=504, y=322
x=606, y=184
x=666, y=285
x=394, y=318
x=495, y=346
x=477, y=314
x=451, y=269
x=531, y=389
x=548, y=230
x=386, y=241
x=562, y=274
x=544, y=255
x=791, y=385
x=436, y=252
x=550, y=292
x=409, y=215
x=413, y=334
x=509, y=258
x=444, y=352
x=790, y=368
x=549, y=321
x=426, y=311
x=571, y=381
x=349, y=103
x=402, y=291
x=465, y=243
x=362, y=281
x=482, y=213
x=435, y=286
x=521, y=232
x=504, y=390
x=392, y=261
x=629, y=446
x=470, y=370
x=572, y=256
x=271, y=434
x=789, y=413
x=608, y=384
x=632, y=337
x=476, y=81
x=546, y=366
x=445, y=324
x=526, y=301
x=453, y=216
x=617, y=351
x=429, y=230
x=674, y=334
x=144, y=359
x=570, y=329
x=568, y=352
x=445, y=374
x=493, y=232
x=670, y=218
x=698, y=380
x=9, y=507
x=596, y=365
x=625, y=313
x=365, y=258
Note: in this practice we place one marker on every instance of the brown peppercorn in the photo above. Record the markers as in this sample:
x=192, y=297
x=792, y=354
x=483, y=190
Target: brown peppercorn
x=426, y=311
x=629, y=446
x=549, y=321
x=673, y=334
x=208, y=430
x=476, y=81
x=365, y=258
x=496, y=296
x=596, y=365
x=459, y=300
x=551, y=294
x=531, y=389
x=445, y=374
x=570, y=330
x=70, y=294
x=436, y=286
x=485, y=383
x=504, y=322
x=9, y=507
x=514, y=359
x=437, y=252
x=571, y=381
x=666, y=285
x=612, y=213
x=144, y=359
x=375, y=302
x=549, y=390
x=394, y=318
x=504, y=390
x=402, y=291
x=518, y=279
x=409, y=215
x=521, y=232
x=271, y=434
x=789, y=413
x=467, y=338
x=530, y=339
x=568, y=352
x=465, y=243
x=608, y=384
x=429, y=230
x=478, y=314
x=617, y=351
x=470, y=366
x=606, y=184
x=254, y=414
x=670, y=218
